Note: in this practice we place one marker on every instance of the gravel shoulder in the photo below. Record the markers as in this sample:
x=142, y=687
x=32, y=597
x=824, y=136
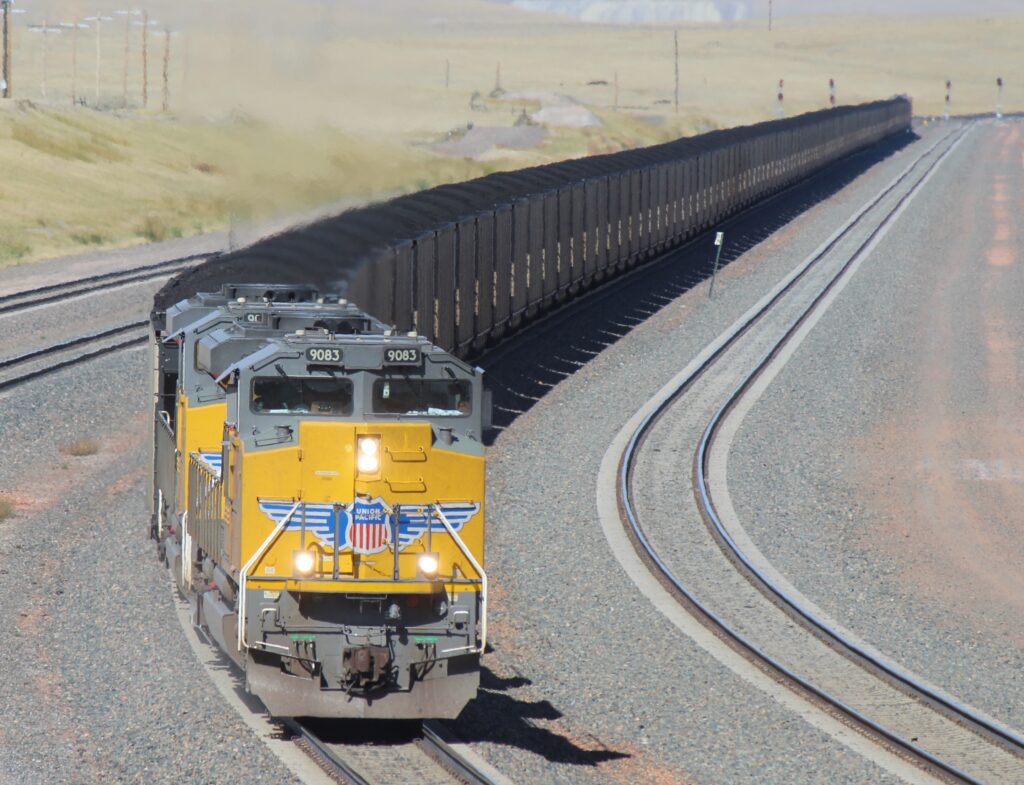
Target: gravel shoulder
x=588, y=683
x=882, y=471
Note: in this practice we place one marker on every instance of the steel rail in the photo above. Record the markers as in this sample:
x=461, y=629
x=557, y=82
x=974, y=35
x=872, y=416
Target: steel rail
x=324, y=756
x=431, y=742
x=7, y=362
x=43, y=295
x=625, y=492
x=77, y=360
x=445, y=754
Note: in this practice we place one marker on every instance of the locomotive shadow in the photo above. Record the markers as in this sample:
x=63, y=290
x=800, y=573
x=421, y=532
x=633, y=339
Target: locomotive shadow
x=525, y=367
x=496, y=717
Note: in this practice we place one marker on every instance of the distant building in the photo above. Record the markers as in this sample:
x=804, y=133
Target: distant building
x=641, y=11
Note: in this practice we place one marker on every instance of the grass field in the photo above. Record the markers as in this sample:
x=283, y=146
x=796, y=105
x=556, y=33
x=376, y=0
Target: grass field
x=276, y=107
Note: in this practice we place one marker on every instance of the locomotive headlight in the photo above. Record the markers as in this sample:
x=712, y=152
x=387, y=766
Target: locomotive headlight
x=368, y=454
x=305, y=561
x=427, y=563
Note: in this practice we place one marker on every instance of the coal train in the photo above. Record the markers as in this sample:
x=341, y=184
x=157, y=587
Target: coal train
x=318, y=494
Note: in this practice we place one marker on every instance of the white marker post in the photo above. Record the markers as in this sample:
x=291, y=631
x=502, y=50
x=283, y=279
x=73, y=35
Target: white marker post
x=782, y=98
x=719, y=242
x=999, y=99
x=949, y=96
x=832, y=93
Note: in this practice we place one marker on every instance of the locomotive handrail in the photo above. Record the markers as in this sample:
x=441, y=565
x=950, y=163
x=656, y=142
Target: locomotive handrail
x=476, y=566
x=164, y=418
x=244, y=576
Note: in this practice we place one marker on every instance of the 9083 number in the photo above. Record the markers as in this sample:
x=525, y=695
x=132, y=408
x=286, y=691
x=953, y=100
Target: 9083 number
x=323, y=355
x=401, y=356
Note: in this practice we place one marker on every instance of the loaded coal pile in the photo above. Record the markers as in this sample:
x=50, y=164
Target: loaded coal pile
x=330, y=252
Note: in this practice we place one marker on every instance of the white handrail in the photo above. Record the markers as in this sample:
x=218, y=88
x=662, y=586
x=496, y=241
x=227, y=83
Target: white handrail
x=243, y=578
x=186, y=554
x=479, y=571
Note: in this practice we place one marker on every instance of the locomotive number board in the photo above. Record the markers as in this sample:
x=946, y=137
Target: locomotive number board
x=324, y=355
x=402, y=357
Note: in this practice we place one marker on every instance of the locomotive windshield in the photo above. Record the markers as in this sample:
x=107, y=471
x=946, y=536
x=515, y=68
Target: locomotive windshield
x=327, y=396
x=422, y=397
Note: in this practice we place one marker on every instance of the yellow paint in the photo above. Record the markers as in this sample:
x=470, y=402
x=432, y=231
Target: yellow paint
x=199, y=429
x=321, y=468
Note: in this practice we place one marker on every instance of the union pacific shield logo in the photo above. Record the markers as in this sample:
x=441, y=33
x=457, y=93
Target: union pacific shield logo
x=369, y=528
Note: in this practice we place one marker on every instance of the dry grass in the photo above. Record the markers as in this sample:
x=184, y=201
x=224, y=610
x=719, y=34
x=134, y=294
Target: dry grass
x=82, y=448
x=276, y=110
x=6, y=509
x=65, y=190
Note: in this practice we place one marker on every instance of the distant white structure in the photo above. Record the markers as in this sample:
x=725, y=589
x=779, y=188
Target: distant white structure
x=642, y=11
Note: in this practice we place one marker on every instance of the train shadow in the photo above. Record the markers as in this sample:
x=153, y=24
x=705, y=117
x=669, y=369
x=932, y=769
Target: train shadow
x=526, y=366
x=496, y=716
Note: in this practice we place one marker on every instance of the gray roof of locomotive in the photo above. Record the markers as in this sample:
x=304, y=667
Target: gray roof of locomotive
x=230, y=349
x=181, y=313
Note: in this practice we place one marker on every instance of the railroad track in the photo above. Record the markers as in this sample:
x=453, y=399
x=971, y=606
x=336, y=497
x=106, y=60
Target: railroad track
x=425, y=757
x=43, y=295
x=852, y=681
x=33, y=364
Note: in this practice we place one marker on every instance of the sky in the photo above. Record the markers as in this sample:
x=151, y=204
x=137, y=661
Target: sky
x=730, y=9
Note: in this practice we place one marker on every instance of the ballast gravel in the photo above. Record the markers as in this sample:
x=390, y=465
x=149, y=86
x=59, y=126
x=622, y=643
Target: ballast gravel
x=100, y=685
x=823, y=468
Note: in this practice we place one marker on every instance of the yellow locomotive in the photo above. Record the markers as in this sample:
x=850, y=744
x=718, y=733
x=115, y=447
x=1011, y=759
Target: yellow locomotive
x=319, y=494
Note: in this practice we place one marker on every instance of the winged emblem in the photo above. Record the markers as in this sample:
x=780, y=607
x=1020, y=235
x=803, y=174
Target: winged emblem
x=323, y=519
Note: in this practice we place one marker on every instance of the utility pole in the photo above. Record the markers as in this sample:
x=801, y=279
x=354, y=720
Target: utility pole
x=99, y=19
x=127, y=38
x=45, y=29
x=769, y=16
x=675, y=39
x=145, y=63
x=73, y=27
x=167, y=64
x=5, y=5
x=74, y=63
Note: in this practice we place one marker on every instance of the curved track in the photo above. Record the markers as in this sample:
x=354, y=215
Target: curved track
x=985, y=738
